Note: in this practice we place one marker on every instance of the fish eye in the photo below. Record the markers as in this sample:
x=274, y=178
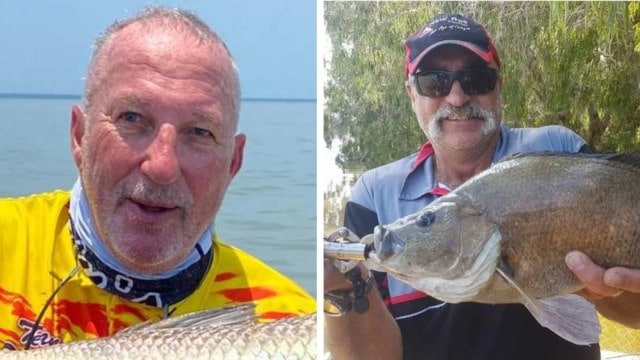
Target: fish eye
x=426, y=218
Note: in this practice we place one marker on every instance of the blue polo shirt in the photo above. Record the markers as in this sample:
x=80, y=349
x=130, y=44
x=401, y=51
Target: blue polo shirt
x=430, y=328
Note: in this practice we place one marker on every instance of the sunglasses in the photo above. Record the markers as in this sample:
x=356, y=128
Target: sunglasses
x=437, y=83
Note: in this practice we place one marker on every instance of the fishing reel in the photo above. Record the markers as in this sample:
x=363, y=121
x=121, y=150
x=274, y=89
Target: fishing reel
x=344, y=247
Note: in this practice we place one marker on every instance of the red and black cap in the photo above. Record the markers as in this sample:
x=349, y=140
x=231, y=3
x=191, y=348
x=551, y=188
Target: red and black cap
x=449, y=29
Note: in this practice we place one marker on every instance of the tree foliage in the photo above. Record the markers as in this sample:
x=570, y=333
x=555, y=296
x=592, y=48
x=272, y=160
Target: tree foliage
x=569, y=63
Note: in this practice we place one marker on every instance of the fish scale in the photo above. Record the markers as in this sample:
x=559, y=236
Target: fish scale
x=239, y=338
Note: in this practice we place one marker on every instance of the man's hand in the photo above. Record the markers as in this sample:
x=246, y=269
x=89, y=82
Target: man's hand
x=371, y=335
x=335, y=280
x=615, y=291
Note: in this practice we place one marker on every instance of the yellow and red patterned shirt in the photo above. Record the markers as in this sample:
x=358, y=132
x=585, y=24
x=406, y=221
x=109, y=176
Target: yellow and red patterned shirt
x=37, y=252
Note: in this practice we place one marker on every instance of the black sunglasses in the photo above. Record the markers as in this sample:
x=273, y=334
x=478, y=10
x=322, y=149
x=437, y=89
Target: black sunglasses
x=437, y=83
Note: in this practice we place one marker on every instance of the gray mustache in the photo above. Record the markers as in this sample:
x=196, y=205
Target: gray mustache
x=466, y=111
x=161, y=195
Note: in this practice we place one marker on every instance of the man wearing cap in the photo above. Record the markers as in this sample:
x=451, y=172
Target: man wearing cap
x=454, y=84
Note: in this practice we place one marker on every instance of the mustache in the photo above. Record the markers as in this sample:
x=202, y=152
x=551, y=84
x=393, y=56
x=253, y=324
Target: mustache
x=158, y=195
x=467, y=111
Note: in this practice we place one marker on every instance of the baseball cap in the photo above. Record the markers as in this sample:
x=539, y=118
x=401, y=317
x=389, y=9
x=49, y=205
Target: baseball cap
x=449, y=29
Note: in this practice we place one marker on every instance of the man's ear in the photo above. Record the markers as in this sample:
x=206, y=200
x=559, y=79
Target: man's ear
x=77, y=132
x=238, y=154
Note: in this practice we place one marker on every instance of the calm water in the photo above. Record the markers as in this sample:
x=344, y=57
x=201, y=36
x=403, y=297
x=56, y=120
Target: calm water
x=269, y=211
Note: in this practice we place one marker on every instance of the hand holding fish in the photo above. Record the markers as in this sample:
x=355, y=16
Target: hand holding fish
x=615, y=291
x=334, y=279
x=342, y=250
x=489, y=241
x=363, y=343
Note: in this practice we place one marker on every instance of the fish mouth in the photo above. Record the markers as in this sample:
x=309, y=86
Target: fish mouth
x=386, y=244
x=377, y=260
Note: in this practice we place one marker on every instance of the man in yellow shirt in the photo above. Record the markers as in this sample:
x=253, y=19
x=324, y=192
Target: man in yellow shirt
x=156, y=146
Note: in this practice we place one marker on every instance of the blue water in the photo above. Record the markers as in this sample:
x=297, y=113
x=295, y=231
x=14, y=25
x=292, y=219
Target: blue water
x=269, y=210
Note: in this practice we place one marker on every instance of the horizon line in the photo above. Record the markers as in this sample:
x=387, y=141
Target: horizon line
x=49, y=96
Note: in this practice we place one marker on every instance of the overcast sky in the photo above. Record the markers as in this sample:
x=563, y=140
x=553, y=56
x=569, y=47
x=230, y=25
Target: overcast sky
x=45, y=45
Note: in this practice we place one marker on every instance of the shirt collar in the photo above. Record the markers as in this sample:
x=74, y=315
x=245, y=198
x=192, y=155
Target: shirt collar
x=426, y=150
x=419, y=180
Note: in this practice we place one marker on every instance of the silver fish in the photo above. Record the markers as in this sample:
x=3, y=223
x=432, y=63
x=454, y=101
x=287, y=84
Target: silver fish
x=503, y=235
x=230, y=333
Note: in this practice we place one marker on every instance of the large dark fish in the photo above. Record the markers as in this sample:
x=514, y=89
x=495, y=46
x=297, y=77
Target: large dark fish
x=230, y=333
x=502, y=236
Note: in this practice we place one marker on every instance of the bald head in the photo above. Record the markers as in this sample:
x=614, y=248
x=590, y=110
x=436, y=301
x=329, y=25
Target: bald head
x=161, y=26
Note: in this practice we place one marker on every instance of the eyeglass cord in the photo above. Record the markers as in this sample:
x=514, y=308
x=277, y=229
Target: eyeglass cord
x=71, y=274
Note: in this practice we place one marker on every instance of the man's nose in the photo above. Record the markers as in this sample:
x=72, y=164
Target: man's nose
x=161, y=162
x=457, y=96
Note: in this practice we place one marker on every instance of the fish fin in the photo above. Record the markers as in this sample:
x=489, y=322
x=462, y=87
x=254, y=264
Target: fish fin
x=631, y=158
x=505, y=266
x=229, y=315
x=525, y=154
x=134, y=328
x=571, y=317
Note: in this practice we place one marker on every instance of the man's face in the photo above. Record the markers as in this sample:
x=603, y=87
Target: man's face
x=457, y=121
x=159, y=150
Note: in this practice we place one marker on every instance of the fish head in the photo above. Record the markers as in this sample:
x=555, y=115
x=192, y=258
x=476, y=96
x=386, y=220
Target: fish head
x=442, y=240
